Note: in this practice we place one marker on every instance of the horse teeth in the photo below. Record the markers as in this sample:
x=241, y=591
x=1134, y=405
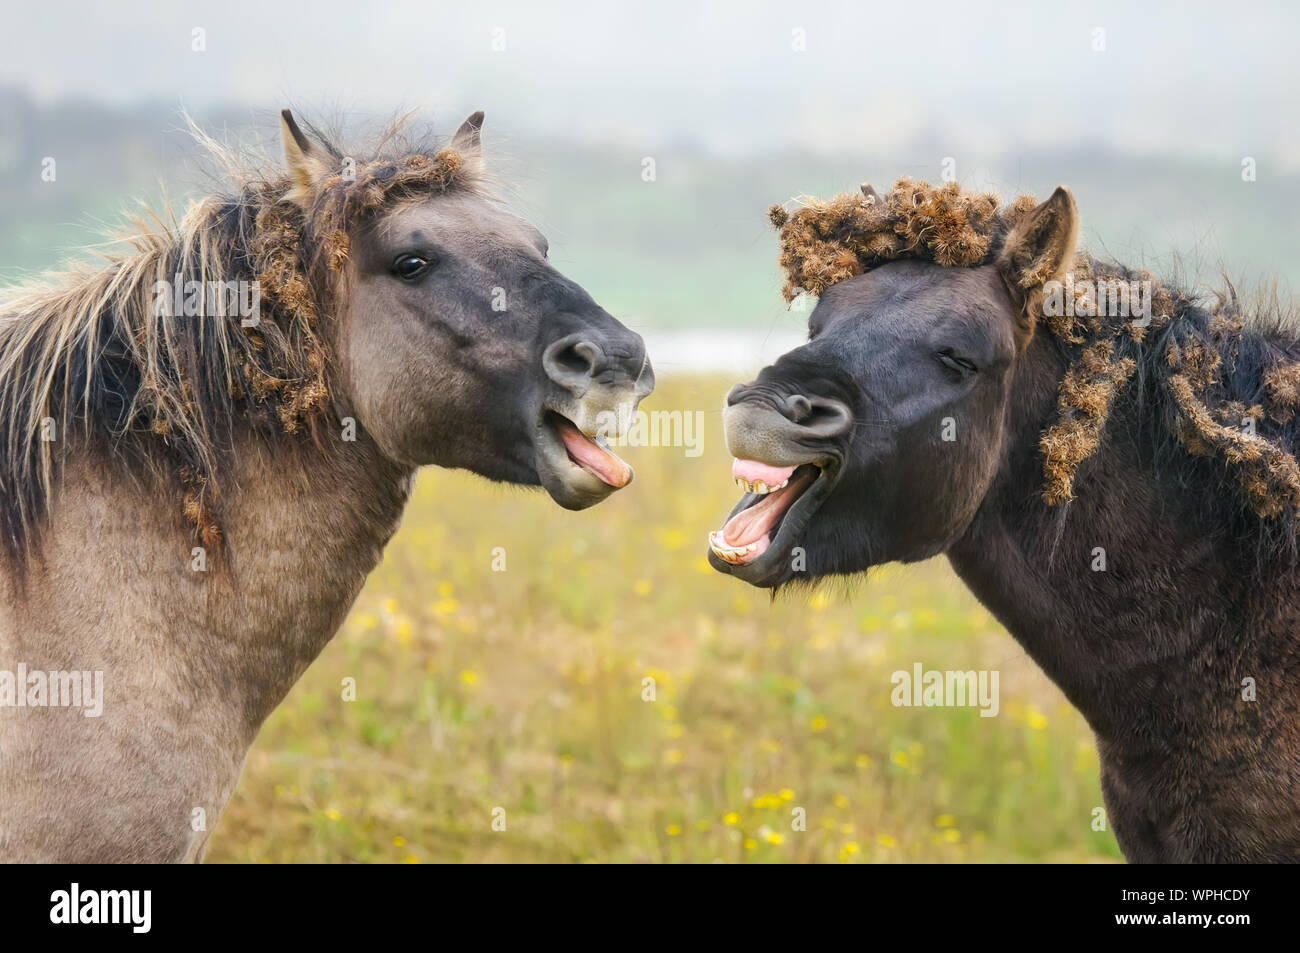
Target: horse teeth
x=729, y=554
x=760, y=486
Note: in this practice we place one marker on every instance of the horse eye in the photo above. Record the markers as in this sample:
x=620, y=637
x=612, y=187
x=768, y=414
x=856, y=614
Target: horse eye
x=410, y=267
x=949, y=359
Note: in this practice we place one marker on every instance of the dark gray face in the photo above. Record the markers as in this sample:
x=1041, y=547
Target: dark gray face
x=887, y=426
x=463, y=347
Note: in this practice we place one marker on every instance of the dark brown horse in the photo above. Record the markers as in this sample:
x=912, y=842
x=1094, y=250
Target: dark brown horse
x=1119, y=489
x=206, y=442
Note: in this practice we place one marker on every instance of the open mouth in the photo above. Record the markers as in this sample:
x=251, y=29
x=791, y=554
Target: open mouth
x=777, y=506
x=578, y=469
x=590, y=453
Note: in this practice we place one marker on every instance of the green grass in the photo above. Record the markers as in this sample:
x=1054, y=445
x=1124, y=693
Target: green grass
x=523, y=690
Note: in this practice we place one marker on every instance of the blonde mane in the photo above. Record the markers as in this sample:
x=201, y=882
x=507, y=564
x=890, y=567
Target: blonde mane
x=96, y=356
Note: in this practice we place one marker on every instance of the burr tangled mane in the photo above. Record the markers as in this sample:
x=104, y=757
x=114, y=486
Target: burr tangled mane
x=90, y=349
x=1224, y=389
x=827, y=241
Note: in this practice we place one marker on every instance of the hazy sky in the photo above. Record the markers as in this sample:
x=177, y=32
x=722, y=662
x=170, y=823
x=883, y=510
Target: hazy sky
x=990, y=78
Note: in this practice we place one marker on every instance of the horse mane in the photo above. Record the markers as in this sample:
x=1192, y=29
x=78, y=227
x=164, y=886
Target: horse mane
x=94, y=354
x=1226, y=384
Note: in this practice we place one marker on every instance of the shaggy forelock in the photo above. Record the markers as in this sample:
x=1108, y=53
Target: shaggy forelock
x=1228, y=387
x=85, y=349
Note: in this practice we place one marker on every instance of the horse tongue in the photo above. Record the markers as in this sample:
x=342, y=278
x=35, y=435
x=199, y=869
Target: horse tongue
x=753, y=523
x=594, y=457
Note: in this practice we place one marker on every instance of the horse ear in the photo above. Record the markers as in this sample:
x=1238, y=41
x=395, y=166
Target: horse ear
x=467, y=142
x=306, y=167
x=1039, y=248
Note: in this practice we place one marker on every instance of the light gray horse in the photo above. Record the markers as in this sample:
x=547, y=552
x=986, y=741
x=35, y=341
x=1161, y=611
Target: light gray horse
x=206, y=442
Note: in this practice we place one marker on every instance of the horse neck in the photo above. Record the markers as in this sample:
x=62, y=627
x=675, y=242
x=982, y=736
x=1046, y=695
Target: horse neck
x=305, y=533
x=302, y=531
x=1134, y=576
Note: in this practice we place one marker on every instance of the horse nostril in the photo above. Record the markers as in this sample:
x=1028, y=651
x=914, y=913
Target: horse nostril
x=572, y=362
x=821, y=416
x=798, y=408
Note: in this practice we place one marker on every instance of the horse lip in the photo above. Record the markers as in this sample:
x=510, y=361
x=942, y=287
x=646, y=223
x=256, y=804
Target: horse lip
x=568, y=484
x=772, y=568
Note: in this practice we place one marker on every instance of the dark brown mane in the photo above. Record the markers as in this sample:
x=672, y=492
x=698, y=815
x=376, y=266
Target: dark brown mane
x=1226, y=386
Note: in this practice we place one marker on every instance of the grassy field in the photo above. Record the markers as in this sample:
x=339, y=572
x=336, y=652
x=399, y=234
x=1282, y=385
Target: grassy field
x=520, y=695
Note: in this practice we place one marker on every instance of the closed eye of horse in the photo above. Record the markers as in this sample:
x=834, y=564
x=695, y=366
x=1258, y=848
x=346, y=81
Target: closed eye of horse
x=1110, y=468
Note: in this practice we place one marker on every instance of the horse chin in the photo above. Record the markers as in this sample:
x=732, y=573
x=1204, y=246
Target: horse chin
x=573, y=484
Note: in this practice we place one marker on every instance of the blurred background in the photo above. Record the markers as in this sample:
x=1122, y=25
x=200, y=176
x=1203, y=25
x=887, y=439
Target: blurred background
x=1174, y=125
